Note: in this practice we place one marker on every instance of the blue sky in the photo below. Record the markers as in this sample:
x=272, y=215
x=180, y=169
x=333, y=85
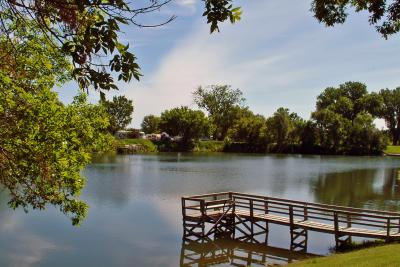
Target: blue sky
x=278, y=55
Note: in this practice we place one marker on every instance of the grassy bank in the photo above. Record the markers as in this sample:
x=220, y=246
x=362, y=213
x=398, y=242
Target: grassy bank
x=387, y=255
x=141, y=145
x=144, y=145
x=392, y=150
x=209, y=146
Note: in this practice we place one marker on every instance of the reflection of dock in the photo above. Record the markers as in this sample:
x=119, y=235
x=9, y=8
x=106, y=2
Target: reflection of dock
x=247, y=217
x=235, y=253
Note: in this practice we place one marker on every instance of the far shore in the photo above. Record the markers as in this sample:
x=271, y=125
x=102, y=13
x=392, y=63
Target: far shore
x=137, y=146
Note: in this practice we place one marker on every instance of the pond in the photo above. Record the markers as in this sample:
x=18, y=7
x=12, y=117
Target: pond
x=135, y=209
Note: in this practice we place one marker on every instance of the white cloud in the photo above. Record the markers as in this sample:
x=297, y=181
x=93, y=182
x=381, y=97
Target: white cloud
x=187, y=3
x=278, y=55
x=29, y=251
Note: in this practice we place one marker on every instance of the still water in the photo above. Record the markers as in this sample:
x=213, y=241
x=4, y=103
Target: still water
x=135, y=214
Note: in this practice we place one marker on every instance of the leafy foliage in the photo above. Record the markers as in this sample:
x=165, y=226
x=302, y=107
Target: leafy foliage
x=44, y=144
x=219, y=11
x=384, y=14
x=249, y=128
x=184, y=122
x=344, y=120
x=222, y=104
x=120, y=111
x=151, y=124
x=284, y=127
x=87, y=31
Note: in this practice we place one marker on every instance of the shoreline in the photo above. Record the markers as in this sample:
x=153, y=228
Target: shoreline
x=140, y=146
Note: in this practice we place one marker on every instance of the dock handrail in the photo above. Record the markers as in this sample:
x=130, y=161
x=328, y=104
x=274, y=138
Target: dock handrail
x=314, y=216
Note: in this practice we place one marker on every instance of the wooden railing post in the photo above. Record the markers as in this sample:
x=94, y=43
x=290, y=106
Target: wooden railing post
x=291, y=217
x=348, y=218
x=399, y=225
x=388, y=230
x=233, y=204
x=251, y=208
x=305, y=212
x=183, y=208
x=336, y=222
x=336, y=227
x=202, y=207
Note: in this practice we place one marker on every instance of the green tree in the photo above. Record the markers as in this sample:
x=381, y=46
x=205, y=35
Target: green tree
x=348, y=99
x=363, y=137
x=384, y=14
x=184, y=122
x=120, y=111
x=87, y=31
x=332, y=130
x=282, y=128
x=309, y=136
x=344, y=120
x=222, y=103
x=44, y=145
x=151, y=124
x=390, y=111
x=249, y=128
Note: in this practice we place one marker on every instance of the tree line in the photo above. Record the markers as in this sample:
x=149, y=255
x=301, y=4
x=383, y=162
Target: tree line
x=342, y=122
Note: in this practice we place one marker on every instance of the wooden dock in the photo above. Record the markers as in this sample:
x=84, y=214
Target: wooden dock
x=246, y=216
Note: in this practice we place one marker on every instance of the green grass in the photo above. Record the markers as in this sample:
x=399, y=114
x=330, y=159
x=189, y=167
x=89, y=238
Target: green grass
x=387, y=255
x=392, y=150
x=209, y=146
x=147, y=145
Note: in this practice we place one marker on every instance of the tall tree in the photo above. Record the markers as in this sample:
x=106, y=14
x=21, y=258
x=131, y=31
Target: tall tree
x=282, y=128
x=249, y=128
x=151, y=124
x=347, y=100
x=341, y=113
x=120, y=111
x=221, y=102
x=184, y=122
x=363, y=137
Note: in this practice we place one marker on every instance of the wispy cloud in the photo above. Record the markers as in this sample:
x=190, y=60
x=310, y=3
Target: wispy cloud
x=278, y=55
x=187, y=3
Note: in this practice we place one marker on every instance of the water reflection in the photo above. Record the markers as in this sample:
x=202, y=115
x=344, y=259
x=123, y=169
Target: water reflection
x=365, y=188
x=236, y=253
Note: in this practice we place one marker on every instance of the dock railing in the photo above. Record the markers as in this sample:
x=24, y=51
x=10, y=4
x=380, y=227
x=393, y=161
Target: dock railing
x=339, y=220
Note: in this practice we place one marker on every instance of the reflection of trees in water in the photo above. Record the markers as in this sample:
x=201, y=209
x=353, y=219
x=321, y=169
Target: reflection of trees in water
x=377, y=189
x=235, y=253
x=109, y=181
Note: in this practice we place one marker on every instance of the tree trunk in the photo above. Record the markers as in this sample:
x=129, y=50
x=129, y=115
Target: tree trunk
x=395, y=138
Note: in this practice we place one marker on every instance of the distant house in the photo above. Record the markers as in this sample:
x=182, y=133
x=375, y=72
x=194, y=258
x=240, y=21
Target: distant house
x=129, y=133
x=153, y=137
x=122, y=134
